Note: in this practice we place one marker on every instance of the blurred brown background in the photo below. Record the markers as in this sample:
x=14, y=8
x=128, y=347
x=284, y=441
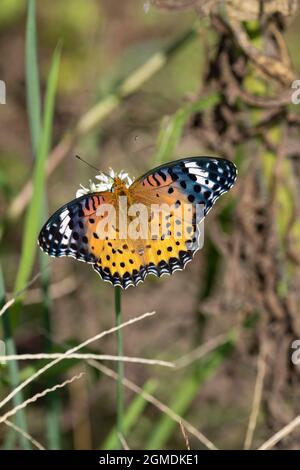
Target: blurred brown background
x=244, y=283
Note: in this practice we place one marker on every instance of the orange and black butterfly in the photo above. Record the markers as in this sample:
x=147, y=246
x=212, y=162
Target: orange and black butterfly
x=74, y=229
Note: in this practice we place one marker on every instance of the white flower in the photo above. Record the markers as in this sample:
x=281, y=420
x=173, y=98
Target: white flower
x=105, y=182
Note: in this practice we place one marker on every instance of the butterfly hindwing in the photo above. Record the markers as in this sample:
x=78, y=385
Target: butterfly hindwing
x=127, y=263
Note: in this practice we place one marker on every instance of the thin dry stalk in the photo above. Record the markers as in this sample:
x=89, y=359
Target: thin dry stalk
x=10, y=302
x=123, y=441
x=78, y=392
x=99, y=357
x=185, y=436
x=158, y=404
x=71, y=351
x=201, y=351
x=45, y=392
x=257, y=396
x=280, y=434
x=16, y=428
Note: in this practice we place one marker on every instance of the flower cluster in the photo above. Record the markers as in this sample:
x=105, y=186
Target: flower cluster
x=105, y=182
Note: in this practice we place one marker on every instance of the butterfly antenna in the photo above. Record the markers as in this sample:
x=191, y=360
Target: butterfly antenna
x=92, y=166
x=87, y=163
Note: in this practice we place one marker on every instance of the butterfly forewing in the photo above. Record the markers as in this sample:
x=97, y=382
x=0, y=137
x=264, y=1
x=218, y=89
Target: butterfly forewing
x=72, y=230
x=199, y=180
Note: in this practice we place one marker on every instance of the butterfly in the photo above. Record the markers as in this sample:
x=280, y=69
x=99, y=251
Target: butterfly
x=85, y=228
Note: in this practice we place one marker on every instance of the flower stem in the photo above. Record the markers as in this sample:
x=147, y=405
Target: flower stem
x=120, y=365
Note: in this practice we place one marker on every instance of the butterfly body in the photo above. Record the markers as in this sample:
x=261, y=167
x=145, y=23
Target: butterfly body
x=125, y=257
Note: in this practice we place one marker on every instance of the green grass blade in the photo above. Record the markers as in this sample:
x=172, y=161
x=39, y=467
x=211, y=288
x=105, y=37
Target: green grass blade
x=34, y=117
x=133, y=412
x=33, y=216
x=185, y=395
x=53, y=399
x=13, y=369
x=32, y=78
x=9, y=440
x=33, y=99
x=170, y=133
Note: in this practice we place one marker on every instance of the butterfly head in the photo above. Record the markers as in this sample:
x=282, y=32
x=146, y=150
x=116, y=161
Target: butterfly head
x=119, y=187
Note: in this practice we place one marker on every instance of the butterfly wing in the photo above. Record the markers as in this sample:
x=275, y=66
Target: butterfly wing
x=196, y=180
x=72, y=229
x=190, y=181
x=199, y=180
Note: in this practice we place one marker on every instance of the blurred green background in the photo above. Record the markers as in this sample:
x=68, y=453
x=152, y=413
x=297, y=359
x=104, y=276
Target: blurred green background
x=102, y=43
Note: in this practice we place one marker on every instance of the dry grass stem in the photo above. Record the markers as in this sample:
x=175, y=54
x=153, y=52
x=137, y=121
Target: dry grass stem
x=16, y=428
x=99, y=357
x=123, y=441
x=10, y=302
x=258, y=389
x=158, y=404
x=201, y=351
x=45, y=392
x=280, y=434
x=71, y=351
x=185, y=436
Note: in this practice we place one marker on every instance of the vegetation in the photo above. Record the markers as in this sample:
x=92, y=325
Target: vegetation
x=202, y=359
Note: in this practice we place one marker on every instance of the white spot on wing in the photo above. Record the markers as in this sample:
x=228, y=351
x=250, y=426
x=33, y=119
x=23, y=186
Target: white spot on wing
x=64, y=214
x=198, y=171
x=64, y=225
